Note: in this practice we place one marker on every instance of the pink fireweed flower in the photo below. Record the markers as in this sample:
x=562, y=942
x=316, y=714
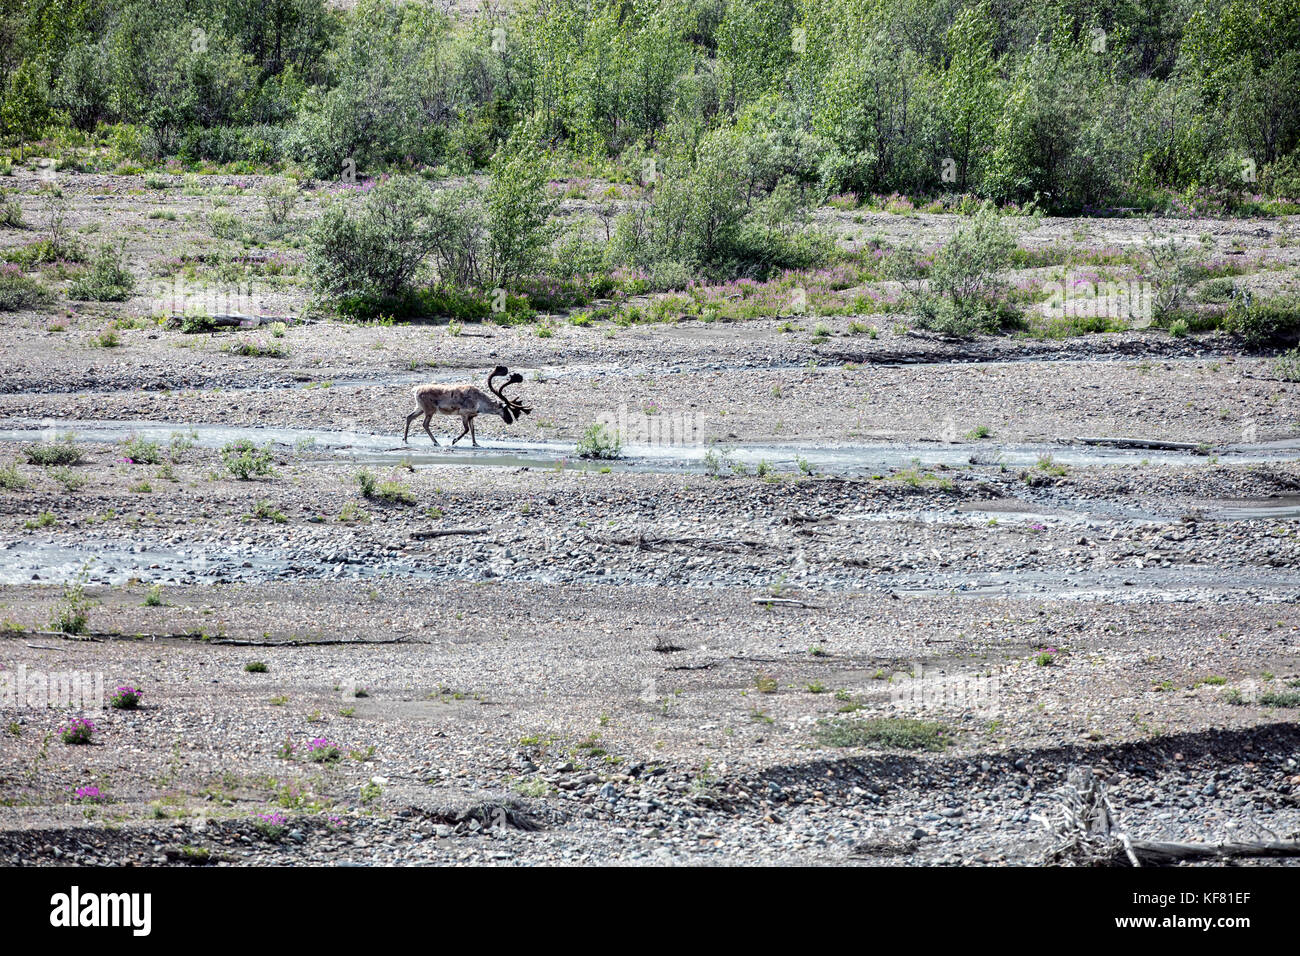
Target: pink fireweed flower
x=126, y=698
x=77, y=731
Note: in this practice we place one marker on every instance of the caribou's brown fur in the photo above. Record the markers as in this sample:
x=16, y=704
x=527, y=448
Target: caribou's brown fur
x=466, y=401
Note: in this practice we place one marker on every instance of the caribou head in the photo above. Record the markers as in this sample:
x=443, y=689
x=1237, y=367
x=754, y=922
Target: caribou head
x=511, y=408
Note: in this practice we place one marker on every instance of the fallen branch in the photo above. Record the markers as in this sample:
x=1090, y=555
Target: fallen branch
x=644, y=542
x=443, y=532
x=1157, y=852
x=324, y=642
x=192, y=637
x=1142, y=443
x=66, y=636
x=783, y=602
x=1087, y=834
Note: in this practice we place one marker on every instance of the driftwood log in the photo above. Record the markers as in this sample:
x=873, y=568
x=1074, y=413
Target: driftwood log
x=1150, y=444
x=782, y=602
x=443, y=532
x=646, y=542
x=1086, y=833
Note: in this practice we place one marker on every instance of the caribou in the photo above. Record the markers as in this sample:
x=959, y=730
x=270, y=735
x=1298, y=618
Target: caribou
x=467, y=401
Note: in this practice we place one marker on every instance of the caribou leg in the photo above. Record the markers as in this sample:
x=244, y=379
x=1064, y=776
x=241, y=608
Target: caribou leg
x=426, y=428
x=472, y=437
x=467, y=422
x=410, y=418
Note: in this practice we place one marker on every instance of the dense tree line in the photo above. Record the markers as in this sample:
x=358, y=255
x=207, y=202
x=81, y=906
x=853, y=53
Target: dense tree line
x=1079, y=102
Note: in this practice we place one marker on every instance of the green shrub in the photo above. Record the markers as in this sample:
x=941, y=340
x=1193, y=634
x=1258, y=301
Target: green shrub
x=280, y=198
x=10, y=480
x=1223, y=289
x=195, y=322
x=1264, y=323
x=68, y=479
x=71, y=613
x=18, y=292
x=45, y=519
x=1287, y=366
x=141, y=451
x=373, y=246
x=11, y=213
x=391, y=492
x=265, y=511
x=246, y=461
x=1170, y=269
x=723, y=208
x=518, y=211
x=599, y=442
x=966, y=277
x=61, y=452
x=257, y=348
x=226, y=225
x=107, y=280
x=1280, y=698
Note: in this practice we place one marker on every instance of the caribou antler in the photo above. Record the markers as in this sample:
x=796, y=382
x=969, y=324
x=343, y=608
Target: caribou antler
x=496, y=373
x=511, y=403
x=514, y=403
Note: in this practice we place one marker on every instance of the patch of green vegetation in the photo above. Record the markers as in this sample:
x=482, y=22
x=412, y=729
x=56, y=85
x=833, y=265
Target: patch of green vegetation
x=71, y=613
x=107, y=279
x=898, y=733
x=351, y=512
x=389, y=492
x=1280, y=698
x=19, y=292
x=246, y=461
x=45, y=519
x=68, y=479
x=141, y=451
x=10, y=479
x=265, y=511
x=1049, y=465
x=60, y=452
x=196, y=855
x=531, y=788
x=598, y=441
x=1287, y=366
x=255, y=348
